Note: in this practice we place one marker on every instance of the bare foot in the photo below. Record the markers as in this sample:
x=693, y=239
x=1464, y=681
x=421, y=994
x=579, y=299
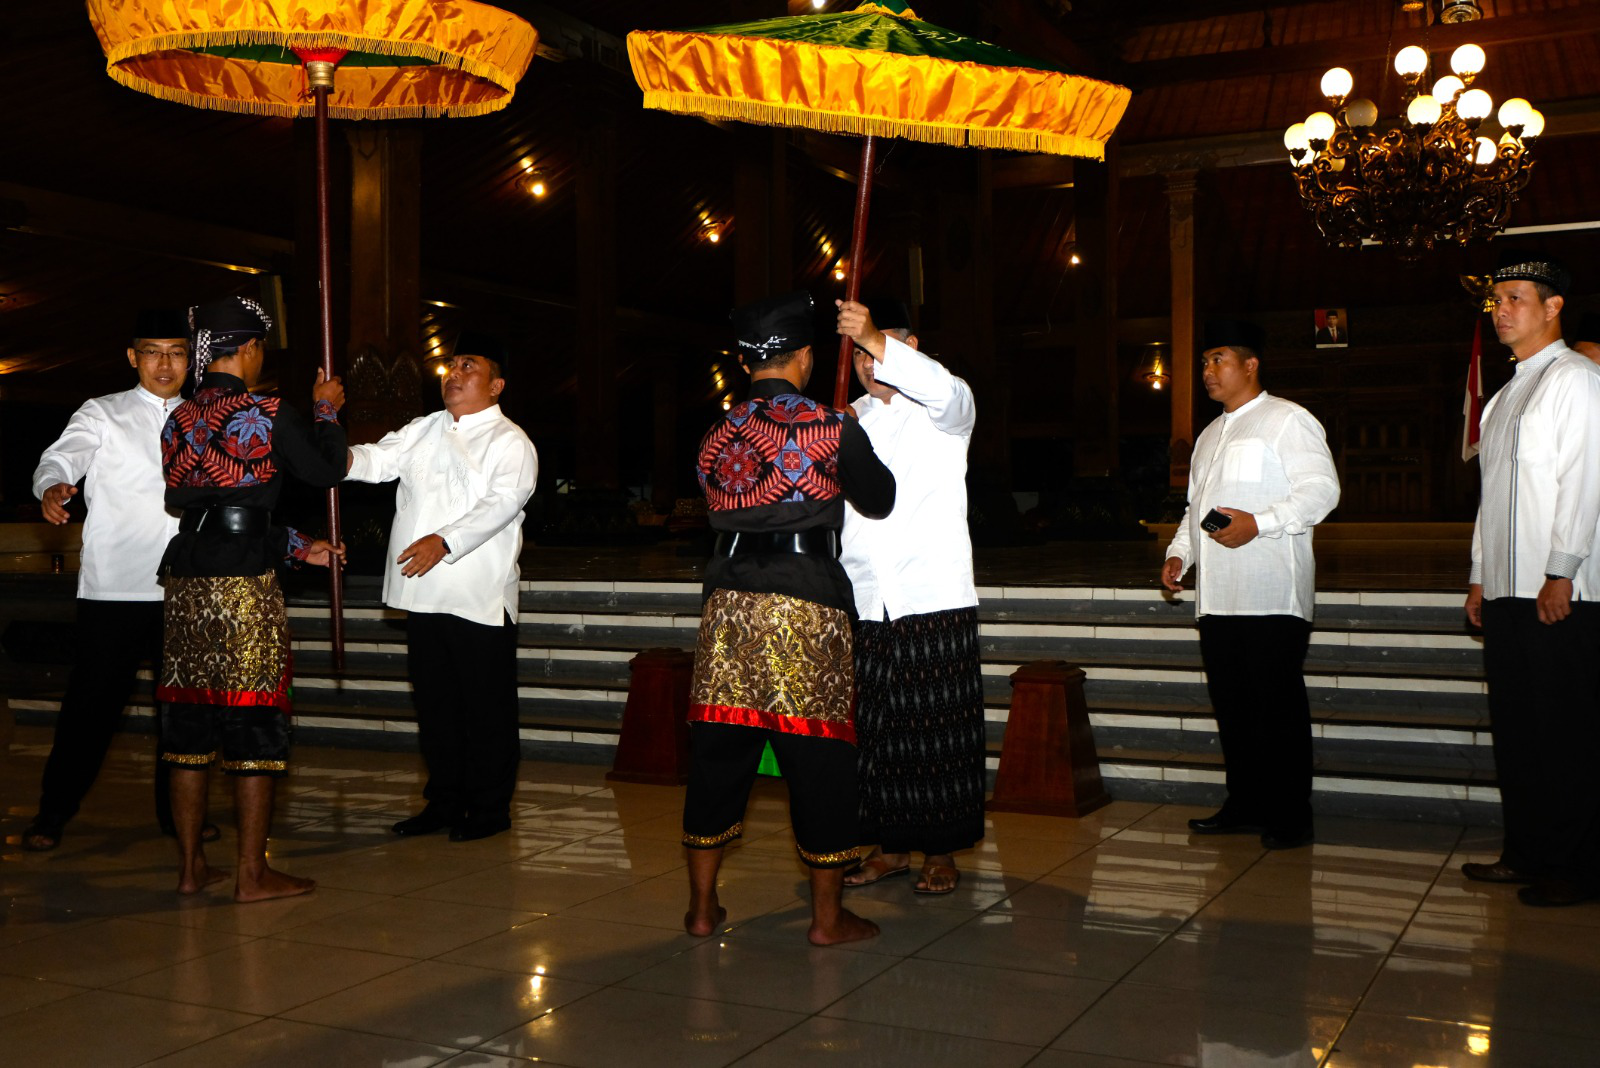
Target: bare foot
x=271, y=884
x=198, y=875
x=847, y=927
x=703, y=922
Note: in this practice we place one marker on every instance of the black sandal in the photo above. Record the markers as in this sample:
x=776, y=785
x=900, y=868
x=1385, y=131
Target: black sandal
x=43, y=834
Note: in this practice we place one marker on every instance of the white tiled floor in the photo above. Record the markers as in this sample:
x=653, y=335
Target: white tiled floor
x=1109, y=942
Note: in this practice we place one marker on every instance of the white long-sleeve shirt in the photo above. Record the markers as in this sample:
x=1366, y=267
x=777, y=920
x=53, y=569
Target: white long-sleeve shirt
x=465, y=480
x=1540, y=464
x=918, y=558
x=113, y=443
x=1268, y=457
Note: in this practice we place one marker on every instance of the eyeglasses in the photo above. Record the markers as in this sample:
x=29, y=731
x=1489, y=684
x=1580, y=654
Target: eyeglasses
x=156, y=354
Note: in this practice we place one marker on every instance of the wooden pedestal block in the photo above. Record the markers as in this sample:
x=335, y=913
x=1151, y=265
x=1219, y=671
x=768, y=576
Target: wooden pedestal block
x=1048, y=764
x=654, y=747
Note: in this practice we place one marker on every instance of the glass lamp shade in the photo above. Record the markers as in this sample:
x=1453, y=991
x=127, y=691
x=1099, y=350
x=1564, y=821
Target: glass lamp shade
x=1446, y=88
x=1467, y=60
x=1410, y=62
x=1423, y=111
x=1515, y=112
x=1475, y=105
x=1320, y=126
x=1484, y=152
x=1296, y=139
x=1337, y=83
x=1361, y=113
x=1535, y=124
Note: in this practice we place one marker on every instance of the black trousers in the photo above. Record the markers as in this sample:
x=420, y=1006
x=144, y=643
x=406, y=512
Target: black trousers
x=1255, y=674
x=820, y=774
x=1544, y=713
x=464, y=684
x=113, y=638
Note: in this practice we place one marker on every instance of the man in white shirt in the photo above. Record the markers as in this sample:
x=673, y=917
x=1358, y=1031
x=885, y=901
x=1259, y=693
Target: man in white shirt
x=1261, y=478
x=112, y=443
x=1535, y=579
x=465, y=474
x=919, y=706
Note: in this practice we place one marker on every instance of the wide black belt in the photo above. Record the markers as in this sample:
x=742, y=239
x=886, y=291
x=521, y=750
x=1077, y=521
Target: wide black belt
x=814, y=542
x=225, y=519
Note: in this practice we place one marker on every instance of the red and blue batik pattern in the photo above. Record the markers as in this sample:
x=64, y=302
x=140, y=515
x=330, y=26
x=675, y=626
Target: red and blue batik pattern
x=770, y=451
x=221, y=438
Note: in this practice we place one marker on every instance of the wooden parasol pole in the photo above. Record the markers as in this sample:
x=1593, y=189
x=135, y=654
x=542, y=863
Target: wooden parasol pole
x=852, y=282
x=319, y=73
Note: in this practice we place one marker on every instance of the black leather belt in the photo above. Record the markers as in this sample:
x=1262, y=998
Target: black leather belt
x=225, y=519
x=814, y=542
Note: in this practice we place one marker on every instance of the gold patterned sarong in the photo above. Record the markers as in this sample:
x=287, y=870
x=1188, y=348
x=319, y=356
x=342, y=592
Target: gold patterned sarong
x=226, y=642
x=766, y=660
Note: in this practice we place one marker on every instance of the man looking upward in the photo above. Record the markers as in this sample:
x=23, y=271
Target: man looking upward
x=465, y=474
x=112, y=443
x=919, y=707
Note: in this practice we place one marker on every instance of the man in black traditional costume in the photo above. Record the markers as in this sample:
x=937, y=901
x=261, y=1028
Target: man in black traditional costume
x=774, y=660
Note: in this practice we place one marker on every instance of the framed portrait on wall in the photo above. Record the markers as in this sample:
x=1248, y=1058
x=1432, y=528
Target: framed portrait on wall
x=1332, y=328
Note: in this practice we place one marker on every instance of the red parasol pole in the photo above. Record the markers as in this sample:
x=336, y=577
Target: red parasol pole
x=320, y=65
x=852, y=282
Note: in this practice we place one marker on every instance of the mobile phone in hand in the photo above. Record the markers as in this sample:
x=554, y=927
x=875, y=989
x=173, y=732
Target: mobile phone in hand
x=1215, y=521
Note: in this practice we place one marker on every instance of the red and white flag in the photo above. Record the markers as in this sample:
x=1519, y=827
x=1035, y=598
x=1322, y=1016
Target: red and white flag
x=1472, y=406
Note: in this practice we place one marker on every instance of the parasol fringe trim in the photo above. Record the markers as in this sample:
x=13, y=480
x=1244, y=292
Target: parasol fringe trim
x=302, y=111
x=862, y=125
x=289, y=41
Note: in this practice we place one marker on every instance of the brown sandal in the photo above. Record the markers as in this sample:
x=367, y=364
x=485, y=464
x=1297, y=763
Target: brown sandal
x=873, y=869
x=930, y=871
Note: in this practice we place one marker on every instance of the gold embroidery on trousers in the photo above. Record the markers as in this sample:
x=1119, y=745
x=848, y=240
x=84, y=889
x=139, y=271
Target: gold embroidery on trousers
x=700, y=841
x=829, y=860
x=255, y=765
x=189, y=758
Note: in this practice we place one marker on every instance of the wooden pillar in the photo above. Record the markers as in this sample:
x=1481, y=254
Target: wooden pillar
x=761, y=216
x=1095, y=378
x=599, y=459
x=383, y=371
x=1180, y=216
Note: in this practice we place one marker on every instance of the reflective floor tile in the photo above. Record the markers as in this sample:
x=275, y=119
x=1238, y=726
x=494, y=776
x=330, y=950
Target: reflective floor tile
x=821, y=1040
x=1025, y=856
x=1204, y=1029
x=1300, y=919
x=409, y=926
x=1174, y=867
x=1063, y=1058
x=620, y=852
x=17, y=994
x=221, y=913
x=102, y=1029
x=1083, y=900
x=1446, y=984
x=392, y=869
x=265, y=976
x=1373, y=1040
x=104, y=953
x=589, y=951
x=1031, y=943
x=445, y=1004
x=533, y=886
x=1254, y=970
x=1030, y=1008
x=287, y=1042
x=796, y=977
x=903, y=928
x=620, y=1028
x=661, y=901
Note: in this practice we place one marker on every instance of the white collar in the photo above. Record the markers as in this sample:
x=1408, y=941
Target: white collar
x=164, y=403
x=467, y=422
x=1246, y=406
x=1549, y=352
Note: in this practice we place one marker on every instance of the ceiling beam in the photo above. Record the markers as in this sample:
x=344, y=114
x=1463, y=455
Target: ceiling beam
x=1316, y=56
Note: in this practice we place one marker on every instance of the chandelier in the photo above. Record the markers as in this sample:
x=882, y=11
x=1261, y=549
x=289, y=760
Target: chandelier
x=1431, y=178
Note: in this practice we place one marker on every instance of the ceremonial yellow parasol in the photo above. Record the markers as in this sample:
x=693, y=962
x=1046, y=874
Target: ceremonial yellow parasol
x=393, y=59
x=878, y=71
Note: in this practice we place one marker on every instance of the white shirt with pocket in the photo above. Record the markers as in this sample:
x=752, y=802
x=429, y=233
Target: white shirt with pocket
x=1268, y=457
x=467, y=481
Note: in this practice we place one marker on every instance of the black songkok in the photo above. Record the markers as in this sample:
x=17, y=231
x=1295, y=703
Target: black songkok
x=1541, y=270
x=162, y=323
x=1588, y=329
x=223, y=325
x=773, y=326
x=480, y=343
x=1235, y=334
x=889, y=313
